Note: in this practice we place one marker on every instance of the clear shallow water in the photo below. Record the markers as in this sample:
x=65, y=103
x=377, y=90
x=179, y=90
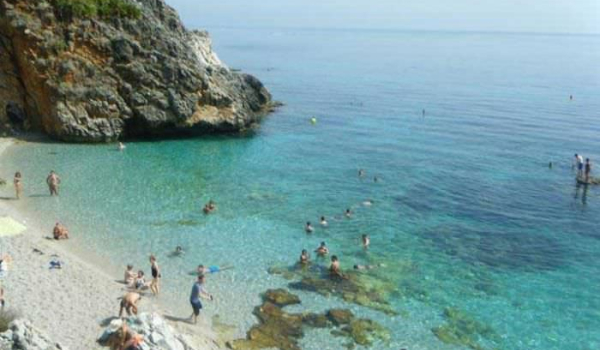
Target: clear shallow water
x=467, y=214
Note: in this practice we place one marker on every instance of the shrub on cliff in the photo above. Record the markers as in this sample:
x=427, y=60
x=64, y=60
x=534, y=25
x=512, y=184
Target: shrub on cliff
x=73, y=9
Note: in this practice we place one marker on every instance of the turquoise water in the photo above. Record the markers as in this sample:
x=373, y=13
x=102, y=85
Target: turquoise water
x=467, y=213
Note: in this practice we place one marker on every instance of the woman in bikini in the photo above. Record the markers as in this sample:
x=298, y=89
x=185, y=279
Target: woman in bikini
x=18, y=184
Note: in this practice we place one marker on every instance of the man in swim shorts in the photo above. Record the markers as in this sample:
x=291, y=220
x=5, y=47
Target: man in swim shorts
x=198, y=292
x=129, y=303
x=53, y=181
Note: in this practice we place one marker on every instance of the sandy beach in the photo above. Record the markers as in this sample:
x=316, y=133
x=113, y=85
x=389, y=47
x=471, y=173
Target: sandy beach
x=71, y=304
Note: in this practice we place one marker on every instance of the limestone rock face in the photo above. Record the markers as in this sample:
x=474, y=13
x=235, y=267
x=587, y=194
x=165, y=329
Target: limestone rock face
x=98, y=79
x=21, y=335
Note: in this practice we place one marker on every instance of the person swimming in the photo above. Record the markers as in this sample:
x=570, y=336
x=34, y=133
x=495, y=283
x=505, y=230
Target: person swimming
x=203, y=270
x=178, y=251
x=121, y=146
x=367, y=203
x=308, y=228
x=209, y=207
x=322, y=250
x=323, y=222
x=366, y=241
x=304, y=257
x=368, y=267
x=348, y=213
x=361, y=173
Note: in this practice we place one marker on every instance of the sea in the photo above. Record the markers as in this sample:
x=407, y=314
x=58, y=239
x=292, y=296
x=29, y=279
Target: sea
x=476, y=211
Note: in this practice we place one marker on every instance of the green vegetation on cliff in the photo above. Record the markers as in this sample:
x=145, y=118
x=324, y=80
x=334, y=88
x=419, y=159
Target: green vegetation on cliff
x=71, y=9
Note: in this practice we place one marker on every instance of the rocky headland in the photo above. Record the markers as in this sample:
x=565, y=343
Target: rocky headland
x=103, y=70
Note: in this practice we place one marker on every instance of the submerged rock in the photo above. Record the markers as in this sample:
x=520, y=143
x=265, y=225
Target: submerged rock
x=461, y=329
x=281, y=297
x=21, y=335
x=86, y=76
x=281, y=330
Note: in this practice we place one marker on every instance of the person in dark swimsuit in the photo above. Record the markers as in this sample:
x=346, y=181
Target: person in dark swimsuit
x=154, y=285
x=588, y=169
x=18, y=184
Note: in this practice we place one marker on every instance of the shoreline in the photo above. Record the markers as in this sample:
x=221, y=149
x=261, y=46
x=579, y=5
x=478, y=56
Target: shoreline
x=73, y=304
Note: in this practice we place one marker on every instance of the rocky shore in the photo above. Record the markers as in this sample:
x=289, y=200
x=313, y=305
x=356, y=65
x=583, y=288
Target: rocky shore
x=100, y=76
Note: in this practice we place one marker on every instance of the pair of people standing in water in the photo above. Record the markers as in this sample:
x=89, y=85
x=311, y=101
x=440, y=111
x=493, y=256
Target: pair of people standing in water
x=583, y=170
x=53, y=181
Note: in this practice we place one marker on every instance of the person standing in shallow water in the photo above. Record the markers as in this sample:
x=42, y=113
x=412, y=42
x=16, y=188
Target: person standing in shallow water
x=18, y=184
x=198, y=292
x=588, y=169
x=154, y=285
x=53, y=182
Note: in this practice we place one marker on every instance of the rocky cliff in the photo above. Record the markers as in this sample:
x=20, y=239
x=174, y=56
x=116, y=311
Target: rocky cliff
x=88, y=71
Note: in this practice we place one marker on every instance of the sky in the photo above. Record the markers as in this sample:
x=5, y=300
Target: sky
x=541, y=16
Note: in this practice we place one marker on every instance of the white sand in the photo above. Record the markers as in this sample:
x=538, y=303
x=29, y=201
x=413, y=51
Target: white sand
x=69, y=304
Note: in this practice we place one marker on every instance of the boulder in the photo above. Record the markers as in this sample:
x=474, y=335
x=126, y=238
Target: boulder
x=158, y=335
x=100, y=78
x=340, y=316
x=21, y=335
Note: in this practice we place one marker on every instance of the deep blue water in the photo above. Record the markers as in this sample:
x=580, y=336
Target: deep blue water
x=467, y=213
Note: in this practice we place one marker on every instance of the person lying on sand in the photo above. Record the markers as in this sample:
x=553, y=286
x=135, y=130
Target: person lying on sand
x=209, y=207
x=129, y=276
x=60, y=232
x=129, y=303
x=322, y=250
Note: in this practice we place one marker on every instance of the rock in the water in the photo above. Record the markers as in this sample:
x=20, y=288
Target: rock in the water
x=21, y=335
x=281, y=297
x=94, y=78
x=340, y=316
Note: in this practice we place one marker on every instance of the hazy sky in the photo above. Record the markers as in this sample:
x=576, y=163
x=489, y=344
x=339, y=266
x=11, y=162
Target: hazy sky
x=548, y=16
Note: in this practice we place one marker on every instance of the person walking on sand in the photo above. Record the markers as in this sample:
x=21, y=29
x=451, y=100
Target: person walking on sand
x=588, y=169
x=18, y=184
x=198, y=291
x=53, y=182
x=129, y=303
x=154, y=284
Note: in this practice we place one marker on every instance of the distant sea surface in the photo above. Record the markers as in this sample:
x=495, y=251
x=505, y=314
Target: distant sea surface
x=467, y=215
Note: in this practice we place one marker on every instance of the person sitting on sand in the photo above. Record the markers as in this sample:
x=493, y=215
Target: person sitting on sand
x=18, y=184
x=209, y=207
x=198, y=292
x=60, y=232
x=334, y=268
x=304, y=258
x=134, y=343
x=140, y=282
x=367, y=267
x=348, y=213
x=129, y=303
x=366, y=241
x=129, y=276
x=53, y=181
x=203, y=270
x=324, y=222
x=308, y=228
x=322, y=250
